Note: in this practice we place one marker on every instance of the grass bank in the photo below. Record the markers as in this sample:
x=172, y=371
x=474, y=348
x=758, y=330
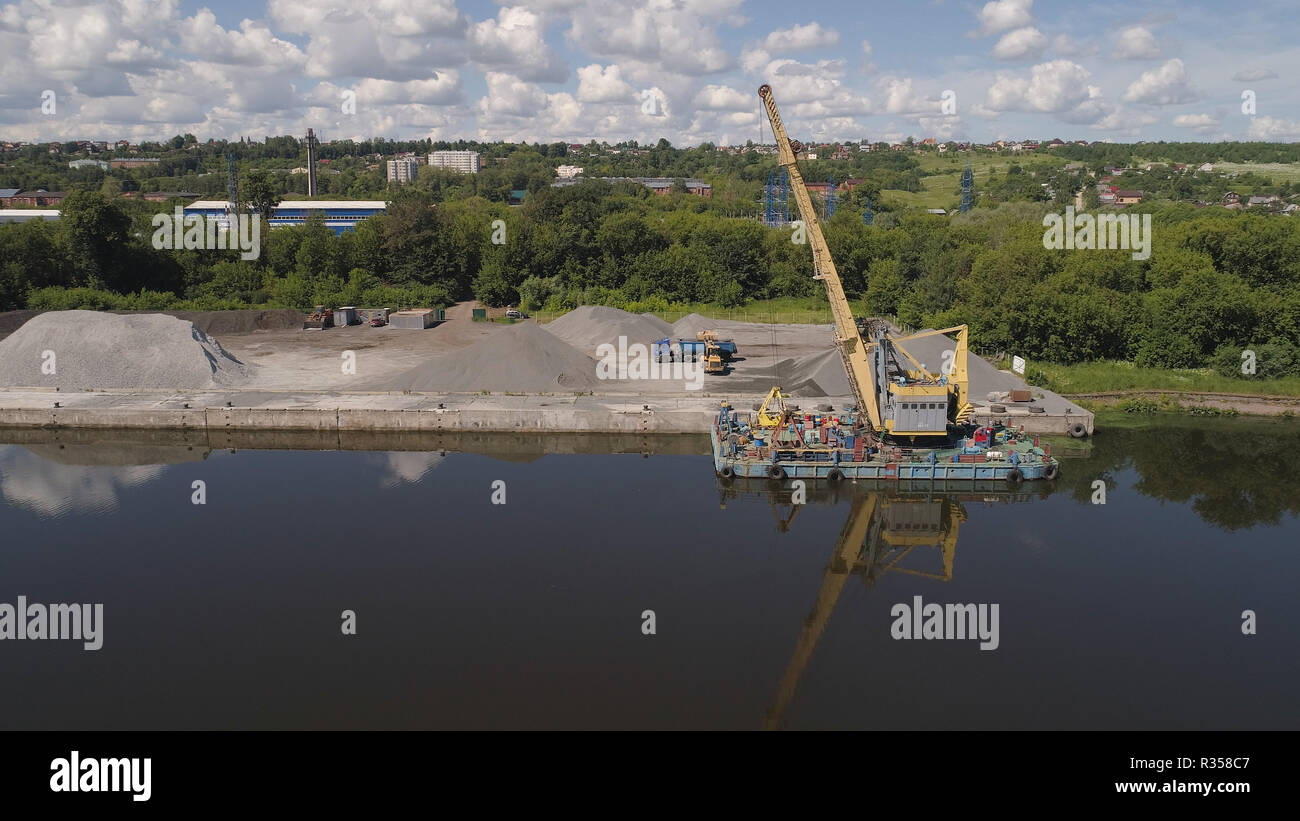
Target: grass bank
x=1108, y=376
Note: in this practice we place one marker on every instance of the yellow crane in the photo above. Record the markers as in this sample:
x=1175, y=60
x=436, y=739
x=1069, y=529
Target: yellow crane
x=914, y=402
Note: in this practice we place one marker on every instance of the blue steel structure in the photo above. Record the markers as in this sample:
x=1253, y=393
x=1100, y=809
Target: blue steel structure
x=868, y=216
x=776, y=206
x=967, y=184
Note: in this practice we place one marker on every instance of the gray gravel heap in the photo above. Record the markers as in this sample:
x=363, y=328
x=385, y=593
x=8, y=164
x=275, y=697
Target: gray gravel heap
x=94, y=350
x=521, y=358
x=591, y=326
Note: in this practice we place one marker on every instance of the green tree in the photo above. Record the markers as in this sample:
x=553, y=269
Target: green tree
x=258, y=193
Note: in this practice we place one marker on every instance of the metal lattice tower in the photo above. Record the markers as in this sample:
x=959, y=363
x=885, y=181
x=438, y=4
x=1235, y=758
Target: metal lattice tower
x=967, y=185
x=768, y=206
x=776, y=199
x=830, y=199
x=868, y=216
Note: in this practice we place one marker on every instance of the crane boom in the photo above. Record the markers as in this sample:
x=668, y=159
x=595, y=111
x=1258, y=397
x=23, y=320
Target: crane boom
x=853, y=349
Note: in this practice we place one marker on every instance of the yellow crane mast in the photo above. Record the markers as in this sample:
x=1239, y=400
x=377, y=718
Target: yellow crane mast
x=910, y=402
x=852, y=348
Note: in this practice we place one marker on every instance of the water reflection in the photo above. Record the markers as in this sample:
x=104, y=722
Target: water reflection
x=889, y=528
x=48, y=483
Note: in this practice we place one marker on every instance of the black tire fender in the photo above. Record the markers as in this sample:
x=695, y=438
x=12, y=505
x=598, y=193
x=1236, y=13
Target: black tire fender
x=776, y=472
x=727, y=472
x=835, y=475
x=1051, y=471
x=1015, y=476
x=1078, y=430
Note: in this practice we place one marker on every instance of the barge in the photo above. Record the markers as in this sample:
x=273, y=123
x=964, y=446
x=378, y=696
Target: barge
x=837, y=446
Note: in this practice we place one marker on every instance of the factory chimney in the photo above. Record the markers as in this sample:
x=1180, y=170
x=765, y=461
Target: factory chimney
x=311, y=163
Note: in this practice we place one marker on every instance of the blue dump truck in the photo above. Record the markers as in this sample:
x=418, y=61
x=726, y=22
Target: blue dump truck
x=691, y=349
x=664, y=350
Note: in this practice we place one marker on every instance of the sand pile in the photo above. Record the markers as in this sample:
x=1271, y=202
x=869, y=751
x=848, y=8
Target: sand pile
x=100, y=350
x=818, y=374
x=590, y=326
x=521, y=358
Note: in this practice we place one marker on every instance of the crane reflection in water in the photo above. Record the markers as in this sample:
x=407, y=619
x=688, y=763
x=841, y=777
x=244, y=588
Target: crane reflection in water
x=888, y=525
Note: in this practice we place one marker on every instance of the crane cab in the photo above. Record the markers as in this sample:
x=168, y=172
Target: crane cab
x=917, y=410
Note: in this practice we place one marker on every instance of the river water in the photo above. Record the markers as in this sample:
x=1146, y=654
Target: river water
x=621, y=585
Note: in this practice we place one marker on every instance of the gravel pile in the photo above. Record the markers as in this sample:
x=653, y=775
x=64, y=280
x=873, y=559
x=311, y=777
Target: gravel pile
x=104, y=351
x=521, y=358
x=590, y=326
x=819, y=374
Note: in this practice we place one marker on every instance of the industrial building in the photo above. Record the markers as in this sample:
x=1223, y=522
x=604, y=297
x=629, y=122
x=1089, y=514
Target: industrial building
x=466, y=162
x=25, y=214
x=340, y=215
x=403, y=169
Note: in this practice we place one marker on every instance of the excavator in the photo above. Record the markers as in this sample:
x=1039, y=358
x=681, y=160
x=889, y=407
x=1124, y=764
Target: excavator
x=898, y=398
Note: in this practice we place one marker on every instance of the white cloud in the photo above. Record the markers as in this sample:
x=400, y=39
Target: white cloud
x=1167, y=85
x=1254, y=75
x=507, y=94
x=598, y=84
x=1067, y=46
x=797, y=38
x=1274, y=129
x=867, y=66
x=1196, y=121
x=252, y=45
x=515, y=42
x=1058, y=86
x=1021, y=44
x=724, y=98
x=1001, y=15
x=680, y=37
x=388, y=39
x=443, y=89
x=1136, y=43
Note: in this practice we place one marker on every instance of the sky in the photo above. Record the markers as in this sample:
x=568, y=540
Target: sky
x=685, y=70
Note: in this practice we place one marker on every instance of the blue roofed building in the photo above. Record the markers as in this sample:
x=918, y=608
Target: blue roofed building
x=340, y=215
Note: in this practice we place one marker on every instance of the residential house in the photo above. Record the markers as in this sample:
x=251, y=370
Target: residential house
x=1126, y=197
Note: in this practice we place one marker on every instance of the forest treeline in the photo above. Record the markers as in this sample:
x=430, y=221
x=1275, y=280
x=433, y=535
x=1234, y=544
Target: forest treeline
x=1216, y=281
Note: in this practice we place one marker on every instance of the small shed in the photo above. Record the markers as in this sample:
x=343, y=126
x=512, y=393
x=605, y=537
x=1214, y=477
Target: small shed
x=417, y=320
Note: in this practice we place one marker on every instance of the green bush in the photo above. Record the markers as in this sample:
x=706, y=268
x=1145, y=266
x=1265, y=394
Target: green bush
x=1273, y=359
x=1139, y=406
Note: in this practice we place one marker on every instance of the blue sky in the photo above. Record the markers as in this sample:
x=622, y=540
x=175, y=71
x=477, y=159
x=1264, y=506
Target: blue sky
x=687, y=70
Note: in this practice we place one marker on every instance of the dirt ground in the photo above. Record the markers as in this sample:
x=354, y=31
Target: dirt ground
x=293, y=359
